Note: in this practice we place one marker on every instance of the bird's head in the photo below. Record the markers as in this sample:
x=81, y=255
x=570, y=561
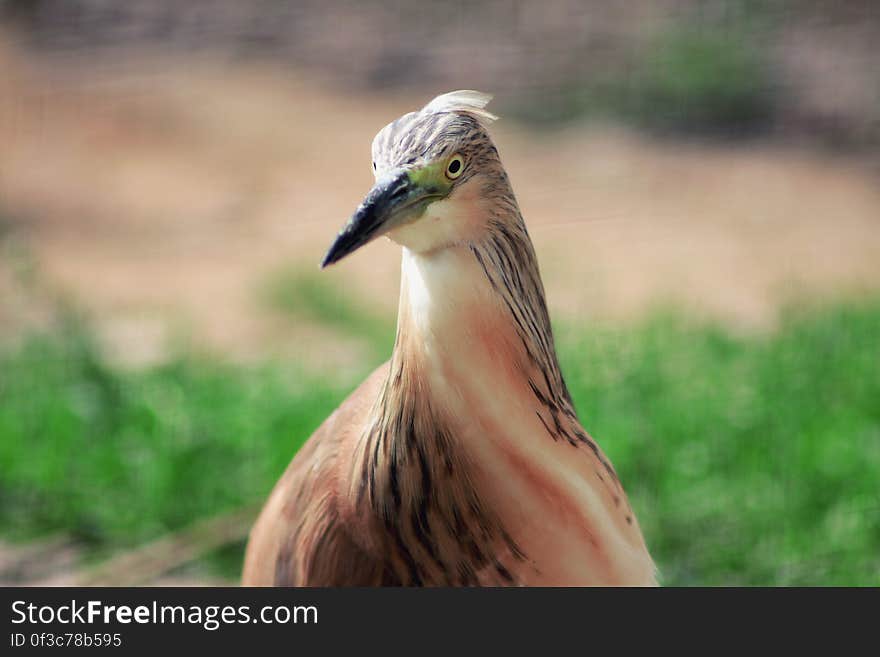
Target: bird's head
x=434, y=170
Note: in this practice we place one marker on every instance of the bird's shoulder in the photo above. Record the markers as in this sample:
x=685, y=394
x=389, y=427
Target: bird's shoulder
x=306, y=527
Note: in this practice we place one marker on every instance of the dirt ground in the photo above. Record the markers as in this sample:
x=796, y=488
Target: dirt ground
x=162, y=197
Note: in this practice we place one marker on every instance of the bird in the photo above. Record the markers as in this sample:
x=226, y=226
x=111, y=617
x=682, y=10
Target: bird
x=460, y=461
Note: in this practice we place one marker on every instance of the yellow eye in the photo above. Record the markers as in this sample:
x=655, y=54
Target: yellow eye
x=454, y=167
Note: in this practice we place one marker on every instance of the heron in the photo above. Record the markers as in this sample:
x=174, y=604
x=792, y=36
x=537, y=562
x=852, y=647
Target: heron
x=460, y=461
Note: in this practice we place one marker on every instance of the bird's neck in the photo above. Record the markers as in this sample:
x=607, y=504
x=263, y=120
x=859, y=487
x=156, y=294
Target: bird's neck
x=474, y=420
x=474, y=338
x=476, y=311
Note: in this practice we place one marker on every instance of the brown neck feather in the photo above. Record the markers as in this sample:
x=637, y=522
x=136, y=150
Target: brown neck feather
x=417, y=481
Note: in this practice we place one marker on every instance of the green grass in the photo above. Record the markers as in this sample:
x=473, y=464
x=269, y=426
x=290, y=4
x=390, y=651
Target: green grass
x=117, y=457
x=749, y=460
x=307, y=294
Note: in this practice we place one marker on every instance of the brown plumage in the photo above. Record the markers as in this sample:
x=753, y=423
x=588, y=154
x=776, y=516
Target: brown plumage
x=461, y=461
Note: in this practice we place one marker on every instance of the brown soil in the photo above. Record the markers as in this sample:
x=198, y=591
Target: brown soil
x=163, y=197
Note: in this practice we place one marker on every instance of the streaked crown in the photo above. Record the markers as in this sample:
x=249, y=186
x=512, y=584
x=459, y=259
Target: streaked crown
x=452, y=122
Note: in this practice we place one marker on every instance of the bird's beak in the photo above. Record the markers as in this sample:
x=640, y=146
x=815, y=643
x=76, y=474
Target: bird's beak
x=396, y=199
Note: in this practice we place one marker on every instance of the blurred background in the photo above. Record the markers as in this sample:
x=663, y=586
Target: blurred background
x=700, y=179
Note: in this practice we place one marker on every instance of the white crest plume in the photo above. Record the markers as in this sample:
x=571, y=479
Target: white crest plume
x=464, y=101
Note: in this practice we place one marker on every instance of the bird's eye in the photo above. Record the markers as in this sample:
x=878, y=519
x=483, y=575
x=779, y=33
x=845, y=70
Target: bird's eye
x=455, y=167
x=374, y=166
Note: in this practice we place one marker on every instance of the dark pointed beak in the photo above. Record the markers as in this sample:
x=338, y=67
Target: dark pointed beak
x=393, y=200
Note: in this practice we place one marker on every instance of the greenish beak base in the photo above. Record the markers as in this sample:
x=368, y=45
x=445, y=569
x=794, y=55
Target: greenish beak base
x=395, y=199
